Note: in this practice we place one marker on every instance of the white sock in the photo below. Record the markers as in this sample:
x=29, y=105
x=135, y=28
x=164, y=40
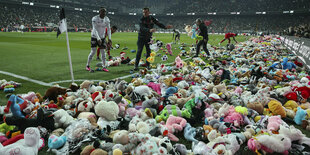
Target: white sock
x=91, y=55
x=103, y=57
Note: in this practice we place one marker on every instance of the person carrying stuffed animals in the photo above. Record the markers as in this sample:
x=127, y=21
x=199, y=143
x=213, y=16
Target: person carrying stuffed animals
x=204, y=33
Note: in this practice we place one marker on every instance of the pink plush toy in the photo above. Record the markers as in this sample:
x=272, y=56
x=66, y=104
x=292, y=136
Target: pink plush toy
x=132, y=112
x=234, y=117
x=155, y=87
x=175, y=124
x=168, y=46
x=274, y=123
x=178, y=62
x=238, y=90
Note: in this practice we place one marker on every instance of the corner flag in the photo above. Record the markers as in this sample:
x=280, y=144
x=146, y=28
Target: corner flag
x=62, y=26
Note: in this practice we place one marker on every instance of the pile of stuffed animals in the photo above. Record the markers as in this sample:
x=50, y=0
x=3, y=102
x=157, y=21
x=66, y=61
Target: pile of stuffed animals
x=253, y=97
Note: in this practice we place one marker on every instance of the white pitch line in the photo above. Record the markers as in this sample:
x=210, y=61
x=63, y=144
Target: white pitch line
x=26, y=78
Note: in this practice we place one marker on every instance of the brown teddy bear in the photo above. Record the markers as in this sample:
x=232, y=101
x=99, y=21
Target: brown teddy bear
x=53, y=92
x=93, y=150
x=258, y=107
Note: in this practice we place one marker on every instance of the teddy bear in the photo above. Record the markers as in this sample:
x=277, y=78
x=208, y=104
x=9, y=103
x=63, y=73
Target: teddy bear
x=27, y=146
x=190, y=133
x=93, y=149
x=108, y=110
x=55, y=142
x=258, y=107
x=174, y=124
x=86, y=84
x=62, y=118
x=216, y=124
x=278, y=143
x=274, y=123
x=234, y=117
x=294, y=134
x=53, y=92
x=300, y=115
x=180, y=101
x=151, y=104
x=276, y=108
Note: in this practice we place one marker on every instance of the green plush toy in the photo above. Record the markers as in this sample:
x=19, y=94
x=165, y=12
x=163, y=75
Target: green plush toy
x=172, y=110
x=4, y=128
x=189, y=105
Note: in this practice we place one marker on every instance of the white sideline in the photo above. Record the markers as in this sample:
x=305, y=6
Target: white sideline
x=63, y=81
x=26, y=78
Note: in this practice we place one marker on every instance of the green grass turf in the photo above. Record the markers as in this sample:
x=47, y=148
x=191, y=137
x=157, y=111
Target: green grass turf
x=43, y=57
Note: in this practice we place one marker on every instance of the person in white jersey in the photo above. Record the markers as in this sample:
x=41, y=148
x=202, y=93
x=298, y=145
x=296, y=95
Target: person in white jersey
x=100, y=23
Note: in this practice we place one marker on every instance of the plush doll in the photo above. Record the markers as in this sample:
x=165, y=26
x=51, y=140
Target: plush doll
x=284, y=65
x=178, y=62
x=107, y=110
x=55, y=142
x=174, y=124
x=155, y=87
x=216, y=124
x=168, y=46
x=233, y=117
x=278, y=143
x=170, y=91
x=294, y=134
x=291, y=105
x=300, y=115
x=86, y=84
x=172, y=110
x=62, y=118
x=180, y=101
x=44, y=119
x=274, y=123
x=190, y=133
x=16, y=104
x=53, y=92
x=27, y=146
x=276, y=108
x=151, y=104
x=224, y=110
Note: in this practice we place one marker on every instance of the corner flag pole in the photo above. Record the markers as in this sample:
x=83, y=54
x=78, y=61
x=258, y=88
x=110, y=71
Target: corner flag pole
x=63, y=28
x=69, y=56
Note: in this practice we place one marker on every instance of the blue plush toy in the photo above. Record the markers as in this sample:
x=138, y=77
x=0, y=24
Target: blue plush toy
x=16, y=105
x=55, y=142
x=284, y=65
x=170, y=91
x=8, y=90
x=300, y=115
x=190, y=133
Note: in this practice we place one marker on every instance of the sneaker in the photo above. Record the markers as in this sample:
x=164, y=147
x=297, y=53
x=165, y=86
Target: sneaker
x=87, y=68
x=98, y=59
x=105, y=70
x=136, y=69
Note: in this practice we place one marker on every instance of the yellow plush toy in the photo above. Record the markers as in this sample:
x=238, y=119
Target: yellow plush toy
x=241, y=110
x=276, y=108
x=291, y=104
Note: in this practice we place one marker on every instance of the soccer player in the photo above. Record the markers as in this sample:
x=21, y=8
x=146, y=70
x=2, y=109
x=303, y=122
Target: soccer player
x=98, y=37
x=203, y=31
x=113, y=30
x=228, y=36
x=145, y=33
x=176, y=36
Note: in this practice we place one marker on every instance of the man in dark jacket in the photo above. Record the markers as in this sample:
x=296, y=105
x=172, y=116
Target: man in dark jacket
x=204, y=33
x=145, y=33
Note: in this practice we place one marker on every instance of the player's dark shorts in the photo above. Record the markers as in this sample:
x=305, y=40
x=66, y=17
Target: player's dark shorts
x=95, y=43
x=177, y=36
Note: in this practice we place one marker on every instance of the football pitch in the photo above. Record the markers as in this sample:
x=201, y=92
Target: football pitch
x=43, y=57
